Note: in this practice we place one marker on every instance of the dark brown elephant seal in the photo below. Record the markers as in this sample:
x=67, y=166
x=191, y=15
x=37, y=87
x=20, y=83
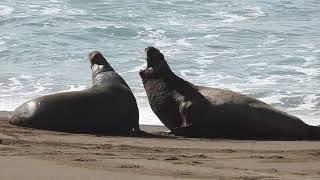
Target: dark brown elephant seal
x=197, y=111
x=108, y=107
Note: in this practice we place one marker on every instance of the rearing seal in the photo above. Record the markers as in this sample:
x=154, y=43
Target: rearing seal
x=198, y=111
x=107, y=107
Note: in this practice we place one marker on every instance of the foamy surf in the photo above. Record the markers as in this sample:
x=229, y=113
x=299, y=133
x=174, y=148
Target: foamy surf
x=6, y=10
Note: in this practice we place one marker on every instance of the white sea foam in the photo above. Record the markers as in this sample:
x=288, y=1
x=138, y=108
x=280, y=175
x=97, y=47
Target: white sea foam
x=34, y=7
x=255, y=12
x=287, y=55
x=51, y=11
x=211, y=36
x=302, y=50
x=308, y=46
x=17, y=90
x=227, y=51
x=309, y=102
x=184, y=72
x=245, y=56
x=306, y=70
x=168, y=2
x=14, y=81
x=183, y=42
x=146, y=115
x=9, y=106
x=234, y=18
x=102, y=25
x=175, y=22
x=147, y=28
x=6, y=10
x=308, y=110
x=317, y=51
x=310, y=58
x=262, y=82
x=271, y=40
x=78, y=87
x=257, y=64
x=76, y=12
x=157, y=34
x=99, y=27
x=157, y=43
x=137, y=68
x=201, y=26
x=38, y=88
x=61, y=11
x=273, y=99
x=154, y=37
x=191, y=73
x=309, y=119
x=205, y=60
x=25, y=76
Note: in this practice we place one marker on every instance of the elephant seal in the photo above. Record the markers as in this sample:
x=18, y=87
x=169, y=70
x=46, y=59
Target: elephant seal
x=197, y=111
x=108, y=107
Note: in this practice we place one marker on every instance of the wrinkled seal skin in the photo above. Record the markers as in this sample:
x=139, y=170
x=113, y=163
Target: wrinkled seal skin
x=197, y=111
x=108, y=107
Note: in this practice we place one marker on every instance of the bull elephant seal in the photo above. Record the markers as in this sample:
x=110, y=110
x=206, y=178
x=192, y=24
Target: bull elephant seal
x=197, y=111
x=108, y=107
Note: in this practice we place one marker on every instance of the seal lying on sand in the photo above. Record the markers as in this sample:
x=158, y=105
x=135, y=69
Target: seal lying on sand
x=108, y=107
x=197, y=111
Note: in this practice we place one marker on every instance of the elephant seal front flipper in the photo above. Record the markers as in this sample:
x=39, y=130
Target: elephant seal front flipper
x=184, y=110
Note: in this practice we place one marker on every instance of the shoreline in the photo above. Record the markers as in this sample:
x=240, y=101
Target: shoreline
x=27, y=153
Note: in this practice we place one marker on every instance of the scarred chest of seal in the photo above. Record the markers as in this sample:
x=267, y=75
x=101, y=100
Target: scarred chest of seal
x=164, y=102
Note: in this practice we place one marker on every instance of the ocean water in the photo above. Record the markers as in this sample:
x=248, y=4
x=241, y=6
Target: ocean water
x=266, y=49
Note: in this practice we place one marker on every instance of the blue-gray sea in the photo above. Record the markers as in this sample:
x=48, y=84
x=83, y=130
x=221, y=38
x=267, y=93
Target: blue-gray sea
x=268, y=49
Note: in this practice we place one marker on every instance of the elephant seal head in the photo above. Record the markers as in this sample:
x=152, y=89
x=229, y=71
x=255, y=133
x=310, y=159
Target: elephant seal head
x=98, y=63
x=157, y=66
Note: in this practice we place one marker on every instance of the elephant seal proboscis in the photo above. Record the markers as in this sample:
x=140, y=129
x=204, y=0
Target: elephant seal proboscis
x=198, y=111
x=108, y=107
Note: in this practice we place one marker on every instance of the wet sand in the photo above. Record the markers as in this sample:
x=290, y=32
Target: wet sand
x=36, y=154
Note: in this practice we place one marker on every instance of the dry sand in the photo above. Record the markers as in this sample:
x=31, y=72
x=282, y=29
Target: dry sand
x=39, y=155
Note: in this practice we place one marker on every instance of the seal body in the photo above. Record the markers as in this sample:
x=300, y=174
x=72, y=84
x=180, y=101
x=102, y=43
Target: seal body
x=198, y=111
x=107, y=107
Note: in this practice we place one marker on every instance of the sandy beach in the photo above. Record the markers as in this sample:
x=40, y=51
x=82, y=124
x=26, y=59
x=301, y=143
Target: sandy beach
x=36, y=154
